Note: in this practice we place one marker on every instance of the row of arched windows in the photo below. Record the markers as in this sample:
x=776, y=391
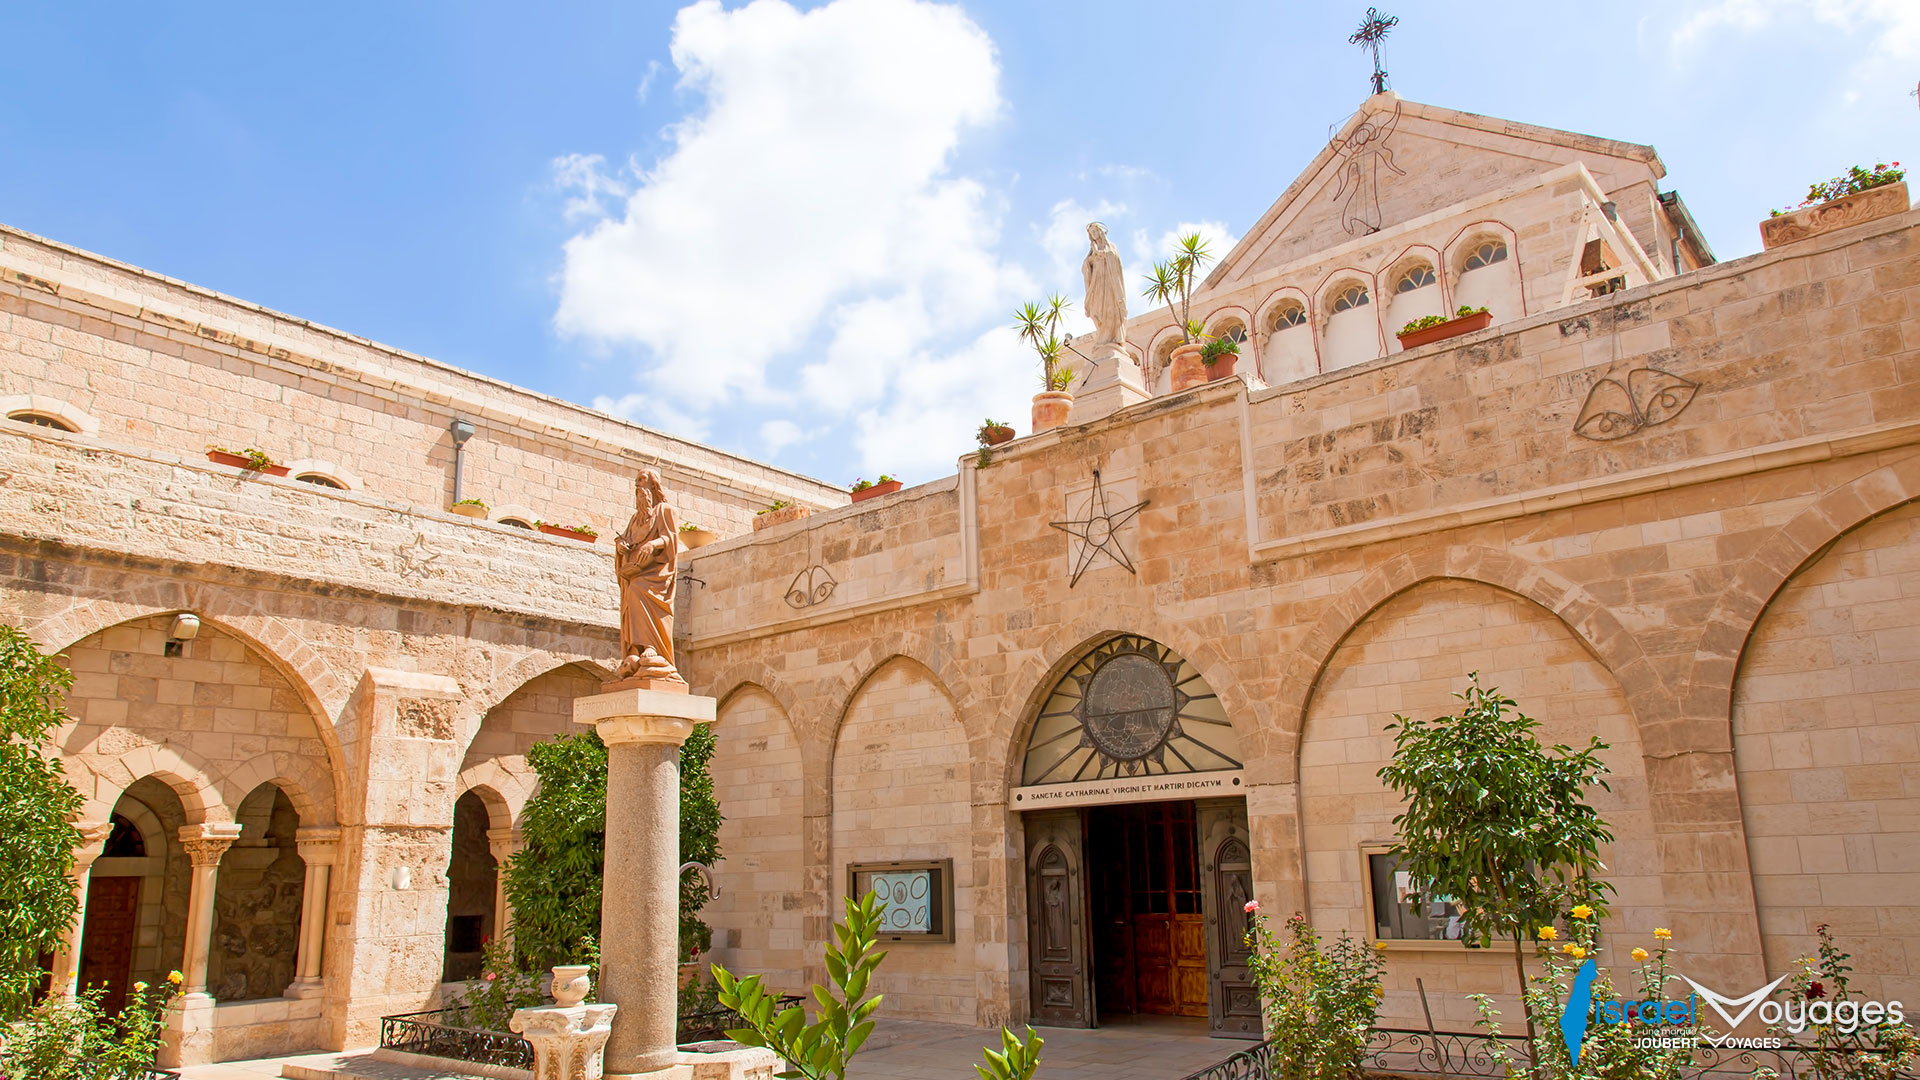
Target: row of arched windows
x=1357, y=313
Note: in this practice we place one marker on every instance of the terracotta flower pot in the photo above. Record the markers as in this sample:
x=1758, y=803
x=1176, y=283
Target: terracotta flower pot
x=781, y=516
x=1878, y=202
x=221, y=457
x=998, y=434
x=876, y=491
x=1451, y=328
x=1187, y=370
x=570, y=984
x=468, y=510
x=1050, y=409
x=571, y=534
x=1223, y=366
x=697, y=538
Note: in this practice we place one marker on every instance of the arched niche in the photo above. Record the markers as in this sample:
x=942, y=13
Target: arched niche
x=1129, y=707
x=760, y=780
x=256, y=902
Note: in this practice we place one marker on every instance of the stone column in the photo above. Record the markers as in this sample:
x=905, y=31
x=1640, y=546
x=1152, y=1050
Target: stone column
x=640, y=904
x=190, y=1018
x=319, y=848
x=66, y=959
x=503, y=843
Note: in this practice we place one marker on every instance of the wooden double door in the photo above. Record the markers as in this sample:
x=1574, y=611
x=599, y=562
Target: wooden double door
x=1140, y=909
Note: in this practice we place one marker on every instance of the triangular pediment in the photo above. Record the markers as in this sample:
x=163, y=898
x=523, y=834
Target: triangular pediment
x=1395, y=160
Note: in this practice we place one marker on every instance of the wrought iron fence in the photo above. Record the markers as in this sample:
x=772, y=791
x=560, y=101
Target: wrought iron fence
x=709, y=1024
x=437, y=1034
x=1466, y=1055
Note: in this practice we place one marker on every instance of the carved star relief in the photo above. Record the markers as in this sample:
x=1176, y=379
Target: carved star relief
x=417, y=558
x=1100, y=530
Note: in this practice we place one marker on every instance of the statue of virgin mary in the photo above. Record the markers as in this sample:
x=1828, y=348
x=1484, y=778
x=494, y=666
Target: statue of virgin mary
x=1106, y=288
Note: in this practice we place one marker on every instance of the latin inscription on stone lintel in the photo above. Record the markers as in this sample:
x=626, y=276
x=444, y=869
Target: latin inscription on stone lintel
x=1204, y=785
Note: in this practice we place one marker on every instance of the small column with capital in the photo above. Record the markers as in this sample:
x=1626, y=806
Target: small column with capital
x=504, y=844
x=319, y=848
x=66, y=960
x=190, y=1018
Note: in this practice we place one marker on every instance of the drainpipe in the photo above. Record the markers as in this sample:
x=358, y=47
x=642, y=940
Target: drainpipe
x=462, y=431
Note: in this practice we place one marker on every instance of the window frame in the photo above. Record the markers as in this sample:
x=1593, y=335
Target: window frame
x=940, y=895
x=1385, y=847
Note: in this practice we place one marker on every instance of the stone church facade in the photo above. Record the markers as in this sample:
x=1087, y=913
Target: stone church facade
x=1082, y=699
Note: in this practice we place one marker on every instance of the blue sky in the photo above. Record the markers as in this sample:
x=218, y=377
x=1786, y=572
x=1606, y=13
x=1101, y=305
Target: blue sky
x=796, y=230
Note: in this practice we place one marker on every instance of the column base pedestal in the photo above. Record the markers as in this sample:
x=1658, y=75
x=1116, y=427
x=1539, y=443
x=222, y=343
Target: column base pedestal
x=737, y=1063
x=1116, y=382
x=188, y=1032
x=305, y=988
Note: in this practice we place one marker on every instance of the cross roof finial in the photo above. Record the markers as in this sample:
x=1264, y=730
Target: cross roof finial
x=1372, y=31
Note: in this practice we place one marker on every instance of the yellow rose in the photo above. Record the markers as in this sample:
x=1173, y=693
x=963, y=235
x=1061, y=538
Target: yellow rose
x=139, y=988
x=1662, y=933
x=1548, y=933
x=1575, y=951
x=1640, y=955
x=173, y=977
x=1380, y=946
x=1582, y=911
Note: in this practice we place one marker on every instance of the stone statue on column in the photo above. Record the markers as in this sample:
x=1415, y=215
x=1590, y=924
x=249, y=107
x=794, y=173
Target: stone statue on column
x=646, y=556
x=1106, y=287
x=1115, y=380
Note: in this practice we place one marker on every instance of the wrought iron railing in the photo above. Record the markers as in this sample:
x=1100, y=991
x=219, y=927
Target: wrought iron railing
x=1462, y=1054
x=709, y=1024
x=438, y=1034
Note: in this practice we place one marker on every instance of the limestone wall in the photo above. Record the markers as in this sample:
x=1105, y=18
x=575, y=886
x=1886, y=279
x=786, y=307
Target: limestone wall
x=1330, y=551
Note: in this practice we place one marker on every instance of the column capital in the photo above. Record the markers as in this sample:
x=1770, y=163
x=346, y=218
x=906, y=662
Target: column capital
x=93, y=840
x=206, y=842
x=505, y=842
x=317, y=845
x=644, y=716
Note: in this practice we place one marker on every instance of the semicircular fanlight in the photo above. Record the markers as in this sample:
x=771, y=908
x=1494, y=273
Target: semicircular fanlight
x=1130, y=707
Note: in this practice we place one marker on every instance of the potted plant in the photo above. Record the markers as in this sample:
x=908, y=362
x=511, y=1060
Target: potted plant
x=1171, y=283
x=249, y=459
x=472, y=508
x=1432, y=328
x=779, y=512
x=995, y=432
x=571, y=532
x=1040, y=327
x=886, y=485
x=1220, y=355
x=1858, y=196
x=693, y=536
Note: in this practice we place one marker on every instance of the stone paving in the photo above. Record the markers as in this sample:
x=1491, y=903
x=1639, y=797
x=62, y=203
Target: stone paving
x=1139, y=1048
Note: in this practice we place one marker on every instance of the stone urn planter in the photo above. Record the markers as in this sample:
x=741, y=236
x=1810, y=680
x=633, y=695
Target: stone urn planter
x=470, y=510
x=570, y=985
x=1875, y=202
x=1050, y=409
x=997, y=434
x=876, y=491
x=568, y=532
x=239, y=461
x=1466, y=324
x=697, y=538
x=767, y=519
x=1187, y=369
x=1223, y=366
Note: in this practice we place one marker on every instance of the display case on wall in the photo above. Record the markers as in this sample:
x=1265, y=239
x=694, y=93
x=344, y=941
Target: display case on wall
x=918, y=895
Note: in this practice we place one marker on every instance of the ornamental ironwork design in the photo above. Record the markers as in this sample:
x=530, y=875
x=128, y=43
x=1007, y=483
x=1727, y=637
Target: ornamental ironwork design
x=1130, y=707
x=810, y=586
x=439, y=1034
x=1099, y=530
x=1616, y=408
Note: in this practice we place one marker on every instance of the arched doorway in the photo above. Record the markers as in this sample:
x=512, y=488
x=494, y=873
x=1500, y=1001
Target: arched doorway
x=471, y=890
x=1136, y=837
x=135, y=925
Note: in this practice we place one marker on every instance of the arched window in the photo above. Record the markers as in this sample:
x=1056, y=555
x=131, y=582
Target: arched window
x=1287, y=353
x=1486, y=253
x=1418, y=276
x=1352, y=334
x=1130, y=707
x=1351, y=297
x=516, y=523
x=37, y=419
x=321, y=480
x=1286, y=316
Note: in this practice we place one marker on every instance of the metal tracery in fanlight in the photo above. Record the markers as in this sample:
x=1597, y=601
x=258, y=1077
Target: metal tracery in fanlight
x=1130, y=707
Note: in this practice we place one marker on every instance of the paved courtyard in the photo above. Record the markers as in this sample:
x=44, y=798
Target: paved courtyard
x=1144, y=1048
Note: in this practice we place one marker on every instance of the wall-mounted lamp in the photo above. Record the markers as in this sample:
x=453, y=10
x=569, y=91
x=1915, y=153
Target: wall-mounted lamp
x=185, y=626
x=403, y=878
x=462, y=431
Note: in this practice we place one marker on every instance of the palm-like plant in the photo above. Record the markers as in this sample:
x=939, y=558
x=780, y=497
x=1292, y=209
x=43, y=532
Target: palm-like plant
x=1039, y=326
x=1171, y=282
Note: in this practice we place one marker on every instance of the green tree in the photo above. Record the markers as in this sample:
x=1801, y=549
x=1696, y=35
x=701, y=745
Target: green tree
x=699, y=835
x=37, y=807
x=1496, y=821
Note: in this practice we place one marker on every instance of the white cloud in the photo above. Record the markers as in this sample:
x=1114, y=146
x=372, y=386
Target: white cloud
x=586, y=176
x=929, y=419
x=646, y=80
x=1065, y=240
x=1892, y=26
x=811, y=193
x=777, y=435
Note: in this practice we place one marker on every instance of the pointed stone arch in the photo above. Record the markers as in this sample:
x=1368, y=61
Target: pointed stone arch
x=102, y=779
x=305, y=783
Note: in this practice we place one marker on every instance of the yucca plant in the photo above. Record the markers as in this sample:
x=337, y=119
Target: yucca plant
x=1039, y=326
x=1171, y=282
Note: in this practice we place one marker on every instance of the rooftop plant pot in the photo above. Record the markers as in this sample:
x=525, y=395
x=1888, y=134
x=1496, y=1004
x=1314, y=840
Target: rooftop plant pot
x=571, y=534
x=999, y=433
x=469, y=510
x=1188, y=370
x=1222, y=366
x=221, y=457
x=1050, y=409
x=1452, y=328
x=697, y=538
x=768, y=519
x=1877, y=202
x=876, y=491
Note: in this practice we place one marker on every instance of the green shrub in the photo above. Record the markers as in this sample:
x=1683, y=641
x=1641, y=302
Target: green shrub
x=1319, y=1004
x=37, y=806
